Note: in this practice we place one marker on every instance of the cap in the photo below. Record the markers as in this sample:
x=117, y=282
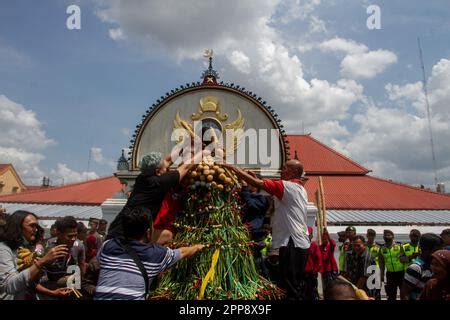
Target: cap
x=350, y=228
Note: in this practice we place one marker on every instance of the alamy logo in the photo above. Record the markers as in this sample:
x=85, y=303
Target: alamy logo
x=73, y=22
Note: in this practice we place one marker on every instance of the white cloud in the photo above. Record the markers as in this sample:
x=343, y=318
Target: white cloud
x=64, y=173
x=296, y=10
x=126, y=132
x=359, y=62
x=250, y=50
x=20, y=127
x=253, y=52
x=367, y=65
x=22, y=140
x=116, y=34
x=240, y=61
x=25, y=162
x=343, y=45
x=98, y=157
x=185, y=28
x=411, y=93
x=394, y=142
x=317, y=25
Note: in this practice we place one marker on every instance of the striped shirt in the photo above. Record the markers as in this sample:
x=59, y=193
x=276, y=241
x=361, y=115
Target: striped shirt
x=120, y=277
x=417, y=275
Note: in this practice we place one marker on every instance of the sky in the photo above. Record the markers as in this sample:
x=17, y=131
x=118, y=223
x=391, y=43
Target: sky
x=70, y=99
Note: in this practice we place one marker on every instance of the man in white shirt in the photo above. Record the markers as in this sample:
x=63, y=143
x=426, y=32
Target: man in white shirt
x=289, y=223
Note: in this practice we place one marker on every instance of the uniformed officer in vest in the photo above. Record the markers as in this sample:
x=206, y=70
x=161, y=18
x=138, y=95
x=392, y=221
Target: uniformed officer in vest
x=374, y=249
x=346, y=237
x=411, y=249
x=389, y=260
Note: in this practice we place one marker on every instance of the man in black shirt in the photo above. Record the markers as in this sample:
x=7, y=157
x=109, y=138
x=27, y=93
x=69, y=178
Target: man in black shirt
x=151, y=186
x=54, y=281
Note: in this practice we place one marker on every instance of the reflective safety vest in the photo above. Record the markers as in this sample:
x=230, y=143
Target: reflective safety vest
x=342, y=252
x=374, y=250
x=267, y=241
x=391, y=257
x=409, y=250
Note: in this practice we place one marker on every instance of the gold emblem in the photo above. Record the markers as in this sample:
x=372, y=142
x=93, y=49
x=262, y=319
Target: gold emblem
x=210, y=104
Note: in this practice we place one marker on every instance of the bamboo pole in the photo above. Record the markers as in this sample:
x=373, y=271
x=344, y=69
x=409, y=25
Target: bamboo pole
x=324, y=209
x=319, y=217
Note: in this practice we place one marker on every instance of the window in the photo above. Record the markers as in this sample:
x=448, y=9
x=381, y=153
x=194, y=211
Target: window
x=14, y=189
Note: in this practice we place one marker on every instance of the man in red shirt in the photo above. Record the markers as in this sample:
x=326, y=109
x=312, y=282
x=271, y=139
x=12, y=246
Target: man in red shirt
x=289, y=228
x=329, y=265
x=312, y=269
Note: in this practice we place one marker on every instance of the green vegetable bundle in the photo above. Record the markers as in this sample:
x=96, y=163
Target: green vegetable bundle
x=212, y=216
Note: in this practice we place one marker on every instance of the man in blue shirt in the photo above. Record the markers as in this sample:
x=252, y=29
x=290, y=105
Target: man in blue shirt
x=120, y=276
x=419, y=272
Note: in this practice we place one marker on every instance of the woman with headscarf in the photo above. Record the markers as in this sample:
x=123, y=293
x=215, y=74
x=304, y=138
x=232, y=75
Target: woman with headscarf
x=20, y=231
x=438, y=287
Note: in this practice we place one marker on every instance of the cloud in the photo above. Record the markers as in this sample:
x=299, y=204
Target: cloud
x=116, y=34
x=253, y=50
x=367, y=65
x=359, y=62
x=250, y=49
x=300, y=10
x=20, y=127
x=185, y=28
x=22, y=140
x=98, y=157
x=25, y=162
x=64, y=173
x=126, y=132
x=395, y=142
x=343, y=45
x=9, y=56
x=240, y=61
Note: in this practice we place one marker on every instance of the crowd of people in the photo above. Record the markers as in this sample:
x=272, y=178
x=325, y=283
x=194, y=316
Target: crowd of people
x=124, y=260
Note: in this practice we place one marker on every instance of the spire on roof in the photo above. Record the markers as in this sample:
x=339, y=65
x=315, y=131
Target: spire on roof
x=122, y=163
x=210, y=75
x=296, y=155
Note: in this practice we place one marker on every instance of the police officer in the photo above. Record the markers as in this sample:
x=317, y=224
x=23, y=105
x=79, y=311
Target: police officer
x=342, y=248
x=389, y=259
x=346, y=238
x=374, y=249
x=411, y=249
x=371, y=246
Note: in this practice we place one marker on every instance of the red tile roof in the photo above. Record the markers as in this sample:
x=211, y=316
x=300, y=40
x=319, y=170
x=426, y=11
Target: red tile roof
x=33, y=188
x=367, y=192
x=93, y=192
x=318, y=158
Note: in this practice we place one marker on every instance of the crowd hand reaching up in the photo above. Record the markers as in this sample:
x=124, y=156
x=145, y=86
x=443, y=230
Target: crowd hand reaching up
x=187, y=252
x=53, y=254
x=57, y=252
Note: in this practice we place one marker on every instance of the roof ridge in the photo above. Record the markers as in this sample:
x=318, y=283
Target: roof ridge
x=5, y=166
x=56, y=188
x=338, y=153
x=408, y=186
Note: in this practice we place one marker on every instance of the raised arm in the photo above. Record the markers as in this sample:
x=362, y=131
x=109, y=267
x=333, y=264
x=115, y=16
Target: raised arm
x=254, y=181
